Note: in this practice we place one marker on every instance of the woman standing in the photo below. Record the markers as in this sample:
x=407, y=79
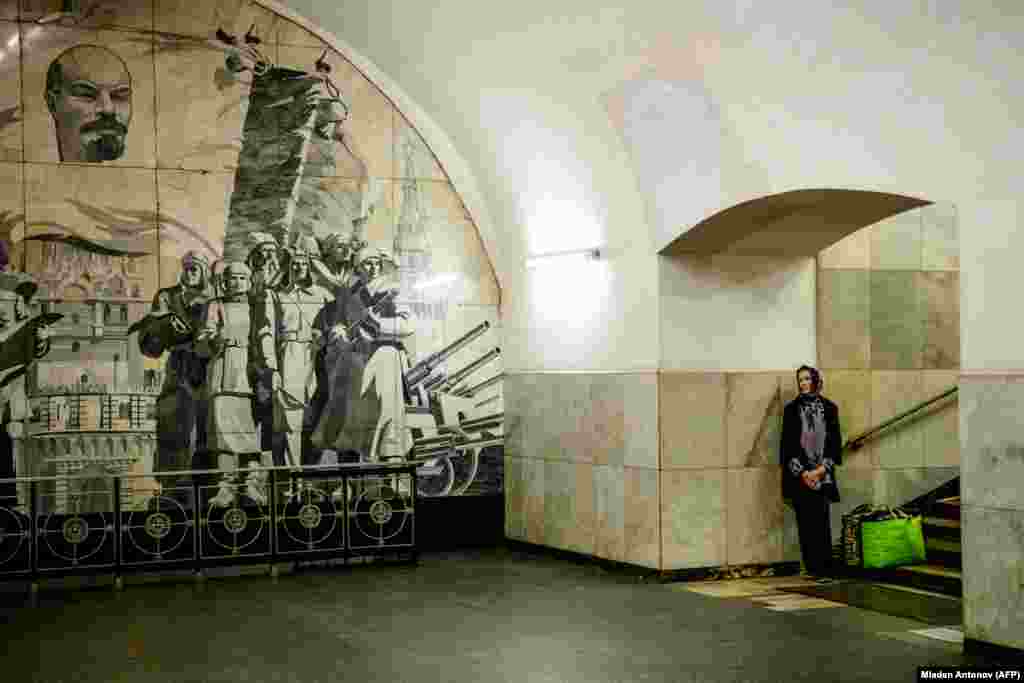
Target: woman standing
x=811, y=448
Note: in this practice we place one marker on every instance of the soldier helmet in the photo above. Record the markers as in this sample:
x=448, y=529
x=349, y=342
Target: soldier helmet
x=192, y=257
x=258, y=239
x=305, y=246
x=236, y=268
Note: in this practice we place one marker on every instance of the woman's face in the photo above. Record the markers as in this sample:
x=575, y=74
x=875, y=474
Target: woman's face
x=805, y=382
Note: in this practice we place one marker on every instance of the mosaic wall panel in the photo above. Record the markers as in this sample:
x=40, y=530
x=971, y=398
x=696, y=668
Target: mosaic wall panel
x=11, y=114
x=216, y=257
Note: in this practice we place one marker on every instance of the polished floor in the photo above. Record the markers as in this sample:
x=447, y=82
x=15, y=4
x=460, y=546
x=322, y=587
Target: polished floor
x=490, y=615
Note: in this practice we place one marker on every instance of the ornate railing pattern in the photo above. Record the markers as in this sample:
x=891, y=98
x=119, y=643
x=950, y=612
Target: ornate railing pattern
x=310, y=513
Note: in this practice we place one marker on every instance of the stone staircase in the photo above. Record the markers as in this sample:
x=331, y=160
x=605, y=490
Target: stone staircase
x=942, y=573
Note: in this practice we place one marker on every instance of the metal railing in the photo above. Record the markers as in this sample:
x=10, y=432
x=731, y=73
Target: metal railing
x=858, y=441
x=86, y=525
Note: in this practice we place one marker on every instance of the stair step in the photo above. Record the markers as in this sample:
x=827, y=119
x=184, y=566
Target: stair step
x=933, y=570
x=941, y=522
x=942, y=544
x=932, y=577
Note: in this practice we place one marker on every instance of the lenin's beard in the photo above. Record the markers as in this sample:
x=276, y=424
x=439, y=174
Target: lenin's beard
x=103, y=139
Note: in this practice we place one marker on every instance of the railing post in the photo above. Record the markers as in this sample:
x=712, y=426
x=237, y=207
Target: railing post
x=33, y=507
x=196, y=561
x=272, y=498
x=118, y=580
x=412, y=516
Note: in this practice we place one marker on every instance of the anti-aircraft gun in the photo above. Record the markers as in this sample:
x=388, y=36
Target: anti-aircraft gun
x=444, y=429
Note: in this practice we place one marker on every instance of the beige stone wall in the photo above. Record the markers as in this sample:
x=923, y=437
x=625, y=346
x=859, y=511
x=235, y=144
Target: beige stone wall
x=888, y=336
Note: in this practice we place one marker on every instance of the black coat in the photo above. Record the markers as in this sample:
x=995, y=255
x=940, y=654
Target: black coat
x=789, y=447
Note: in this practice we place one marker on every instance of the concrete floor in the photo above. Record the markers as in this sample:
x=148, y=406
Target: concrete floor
x=490, y=615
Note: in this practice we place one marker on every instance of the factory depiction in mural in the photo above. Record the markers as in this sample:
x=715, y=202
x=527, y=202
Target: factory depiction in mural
x=297, y=333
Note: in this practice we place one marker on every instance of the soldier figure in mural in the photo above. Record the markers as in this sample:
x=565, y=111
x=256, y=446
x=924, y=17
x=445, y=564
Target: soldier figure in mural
x=22, y=341
x=89, y=95
x=178, y=314
x=362, y=374
x=264, y=261
x=296, y=302
x=233, y=323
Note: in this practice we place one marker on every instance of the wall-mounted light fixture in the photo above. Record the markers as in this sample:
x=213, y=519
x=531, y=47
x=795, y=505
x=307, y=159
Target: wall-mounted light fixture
x=443, y=279
x=588, y=254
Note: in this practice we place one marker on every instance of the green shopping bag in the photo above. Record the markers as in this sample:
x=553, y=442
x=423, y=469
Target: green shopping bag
x=892, y=542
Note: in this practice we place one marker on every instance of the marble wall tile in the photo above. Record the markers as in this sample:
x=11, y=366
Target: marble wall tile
x=856, y=487
x=753, y=419
x=129, y=14
x=640, y=419
x=193, y=217
x=993, y=583
x=413, y=159
x=540, y=402
x=581, y=535
x=202, y=19
x=533, y=485
x=788, y=387
x=940, y=237
x=642, y=545
x=940, y=311
x=11, y=143
x=692, y=407
x=12, y=213
x=369, y=129
x=549, y=415
x=754, y=515
x=901, y=445
x=609, y=512
x=844, y=315
x=8, y=10
x=200, y=109
x=100, y=203
x=850, y=390
x=575, y=442
x=899, y=486
x=941, y=423
x=992, y=436
x=851, y=252
x=790, y=535
x=896, y=242
x=515, y=498
x=121, y=51
x=897, y=326
x=693, y=514
x=603, y=426
x=559, y=504
x=515, y=426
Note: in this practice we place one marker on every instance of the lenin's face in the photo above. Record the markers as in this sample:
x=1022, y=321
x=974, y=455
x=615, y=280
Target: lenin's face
x=89, y=94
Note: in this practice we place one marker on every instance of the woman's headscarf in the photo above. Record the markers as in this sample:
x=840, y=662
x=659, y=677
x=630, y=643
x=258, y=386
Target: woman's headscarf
x=812, y=416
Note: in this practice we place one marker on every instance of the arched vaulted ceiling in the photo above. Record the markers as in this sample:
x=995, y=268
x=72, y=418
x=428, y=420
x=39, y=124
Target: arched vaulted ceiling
x=627, y=124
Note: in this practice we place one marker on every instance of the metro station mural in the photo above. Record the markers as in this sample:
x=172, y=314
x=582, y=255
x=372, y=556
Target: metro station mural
x=221, y=268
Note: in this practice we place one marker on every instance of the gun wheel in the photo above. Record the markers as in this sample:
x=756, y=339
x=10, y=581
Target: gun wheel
x=465, y=464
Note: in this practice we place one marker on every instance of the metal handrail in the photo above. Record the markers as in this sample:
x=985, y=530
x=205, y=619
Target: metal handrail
x=856, y=442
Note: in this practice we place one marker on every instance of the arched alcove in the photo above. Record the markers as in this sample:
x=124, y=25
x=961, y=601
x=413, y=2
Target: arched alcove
x=789, y=224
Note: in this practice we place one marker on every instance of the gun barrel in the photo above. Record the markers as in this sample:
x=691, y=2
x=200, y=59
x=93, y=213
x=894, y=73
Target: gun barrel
x=465, y=372
x=477, y=388
x=422, y=370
